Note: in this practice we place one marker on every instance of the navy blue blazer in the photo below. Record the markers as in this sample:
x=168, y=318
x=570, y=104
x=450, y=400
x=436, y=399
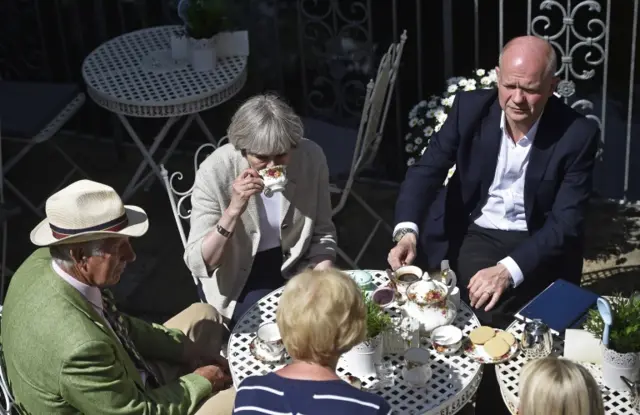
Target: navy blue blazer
x=558, y=182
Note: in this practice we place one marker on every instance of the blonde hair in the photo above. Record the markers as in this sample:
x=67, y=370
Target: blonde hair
x=553, y=386
x=265, y=125
x=321, y=315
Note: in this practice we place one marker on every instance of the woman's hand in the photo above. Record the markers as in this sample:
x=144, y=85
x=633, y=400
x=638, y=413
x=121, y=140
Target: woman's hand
x=244, y=186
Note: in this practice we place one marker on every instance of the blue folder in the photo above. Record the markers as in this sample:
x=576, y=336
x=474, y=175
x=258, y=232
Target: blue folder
x=560, y=306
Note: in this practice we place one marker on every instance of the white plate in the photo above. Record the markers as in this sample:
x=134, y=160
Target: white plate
x=477, y=352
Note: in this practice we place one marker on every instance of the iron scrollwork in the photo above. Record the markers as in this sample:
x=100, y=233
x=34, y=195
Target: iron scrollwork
x=570, y=42
x=338, y=55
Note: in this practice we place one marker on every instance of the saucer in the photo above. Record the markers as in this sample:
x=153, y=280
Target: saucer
x=272, y=360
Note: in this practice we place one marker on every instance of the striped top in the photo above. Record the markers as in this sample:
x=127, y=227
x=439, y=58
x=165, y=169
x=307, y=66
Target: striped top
x=274, y=395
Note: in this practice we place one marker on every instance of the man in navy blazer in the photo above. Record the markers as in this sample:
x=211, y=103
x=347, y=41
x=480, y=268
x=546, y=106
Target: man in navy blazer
x=511, y=218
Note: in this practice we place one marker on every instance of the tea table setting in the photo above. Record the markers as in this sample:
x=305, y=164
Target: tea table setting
x=605, y=339
x=417, y=359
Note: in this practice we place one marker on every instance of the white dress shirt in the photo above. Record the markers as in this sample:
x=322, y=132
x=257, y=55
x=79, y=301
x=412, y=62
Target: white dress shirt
x=269, y=214
x=93, y=296
x=504, y=209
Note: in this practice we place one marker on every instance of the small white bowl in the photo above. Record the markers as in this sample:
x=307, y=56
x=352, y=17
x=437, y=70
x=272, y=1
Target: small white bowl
x=446, y=339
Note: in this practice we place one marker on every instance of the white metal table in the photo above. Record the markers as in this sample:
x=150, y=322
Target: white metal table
x=454, y=382
x=508, y=375
x=134, y=75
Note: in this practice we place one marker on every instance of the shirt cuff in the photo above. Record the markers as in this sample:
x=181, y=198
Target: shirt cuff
x=514, y=270
x=409, y=225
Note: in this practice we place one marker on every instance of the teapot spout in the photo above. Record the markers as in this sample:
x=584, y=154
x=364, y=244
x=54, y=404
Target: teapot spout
x=633, y=386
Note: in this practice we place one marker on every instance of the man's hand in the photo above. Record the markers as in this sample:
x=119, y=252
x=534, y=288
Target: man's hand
x=194, y=358
x=488, y=285
x=217, y=377
x=404, y=252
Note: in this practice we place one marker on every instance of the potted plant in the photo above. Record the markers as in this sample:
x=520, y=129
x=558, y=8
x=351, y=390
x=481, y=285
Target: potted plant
x=362, y=357
x=203, y=19
x=622, y=355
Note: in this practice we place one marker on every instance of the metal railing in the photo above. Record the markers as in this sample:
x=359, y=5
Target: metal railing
x=320, y=55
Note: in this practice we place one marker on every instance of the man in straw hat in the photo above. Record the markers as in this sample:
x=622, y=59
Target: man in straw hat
x=68, y=349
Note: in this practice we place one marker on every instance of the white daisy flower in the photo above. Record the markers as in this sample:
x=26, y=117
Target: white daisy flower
x=463, y=82
x=418, y=141
x=422, y=103
x=480, y=72
x=420, y=122
x=430, y=113
x=413, y=122
x=437, y=128
x=452, y=81
x=428, y=132
x=470, y=88
x=432, y=104
x=408, y=148
x=407, y=137
x=452, y=88
x=485, y=80
x=411, y=161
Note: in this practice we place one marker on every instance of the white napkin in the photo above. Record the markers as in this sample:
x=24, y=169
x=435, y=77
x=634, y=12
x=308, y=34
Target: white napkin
x=582, y=346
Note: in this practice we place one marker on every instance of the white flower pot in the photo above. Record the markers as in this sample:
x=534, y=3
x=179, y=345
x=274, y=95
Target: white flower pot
x=203, y=54
x=361, y=360
x=616, y=364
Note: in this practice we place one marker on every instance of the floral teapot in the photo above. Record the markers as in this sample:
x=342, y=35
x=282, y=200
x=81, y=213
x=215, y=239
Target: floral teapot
x=422, y=289
x=427, y=297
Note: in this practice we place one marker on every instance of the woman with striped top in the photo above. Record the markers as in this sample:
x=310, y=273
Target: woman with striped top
x=321, y=315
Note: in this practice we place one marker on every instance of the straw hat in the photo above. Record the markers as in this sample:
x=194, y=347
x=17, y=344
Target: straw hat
x=86, y=211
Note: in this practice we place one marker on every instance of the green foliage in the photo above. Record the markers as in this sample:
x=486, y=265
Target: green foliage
x=206, y=18
x=624, y=336
x=377, y=320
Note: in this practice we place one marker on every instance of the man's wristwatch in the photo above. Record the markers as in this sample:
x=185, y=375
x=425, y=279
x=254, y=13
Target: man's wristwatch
x=401, y=233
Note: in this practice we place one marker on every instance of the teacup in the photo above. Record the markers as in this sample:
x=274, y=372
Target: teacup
x=269, y=342
x=417, y=368
x=446, y=339
x=275, y=179
x=407, y=275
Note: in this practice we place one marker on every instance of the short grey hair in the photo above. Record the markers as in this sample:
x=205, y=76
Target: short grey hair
x=265, y=125
x=61, y=254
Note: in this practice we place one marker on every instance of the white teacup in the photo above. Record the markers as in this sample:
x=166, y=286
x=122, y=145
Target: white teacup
x=407, y=275
x=446, y=339
x=275, y=179
x=417, y=367
x=269, y=341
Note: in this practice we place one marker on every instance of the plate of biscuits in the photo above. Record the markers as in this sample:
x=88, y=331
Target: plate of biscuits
x=488, y=345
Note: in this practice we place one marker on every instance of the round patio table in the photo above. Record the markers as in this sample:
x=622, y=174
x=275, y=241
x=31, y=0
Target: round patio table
x=454, y=382
x=135, y=75
x=508, y=374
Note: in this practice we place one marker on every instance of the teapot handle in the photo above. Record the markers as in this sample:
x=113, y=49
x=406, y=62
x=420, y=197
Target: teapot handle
x=451, y=282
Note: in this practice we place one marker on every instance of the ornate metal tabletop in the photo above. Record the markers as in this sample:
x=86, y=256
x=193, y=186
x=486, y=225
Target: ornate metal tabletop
x=508, y=374
x=135, y=75
x=455, y=378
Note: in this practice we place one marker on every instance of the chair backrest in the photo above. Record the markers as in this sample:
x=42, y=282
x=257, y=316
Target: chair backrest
x=376, y=106
x=181, y=200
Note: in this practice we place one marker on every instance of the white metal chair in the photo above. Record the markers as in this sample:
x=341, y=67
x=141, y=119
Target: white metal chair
x=33, y=112
x=180, y=200
x=336, y=141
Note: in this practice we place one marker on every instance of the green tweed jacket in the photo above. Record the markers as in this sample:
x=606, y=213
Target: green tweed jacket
x=62, y=358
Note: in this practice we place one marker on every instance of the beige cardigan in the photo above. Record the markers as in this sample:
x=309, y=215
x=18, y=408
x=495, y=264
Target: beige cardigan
x=307, y=230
